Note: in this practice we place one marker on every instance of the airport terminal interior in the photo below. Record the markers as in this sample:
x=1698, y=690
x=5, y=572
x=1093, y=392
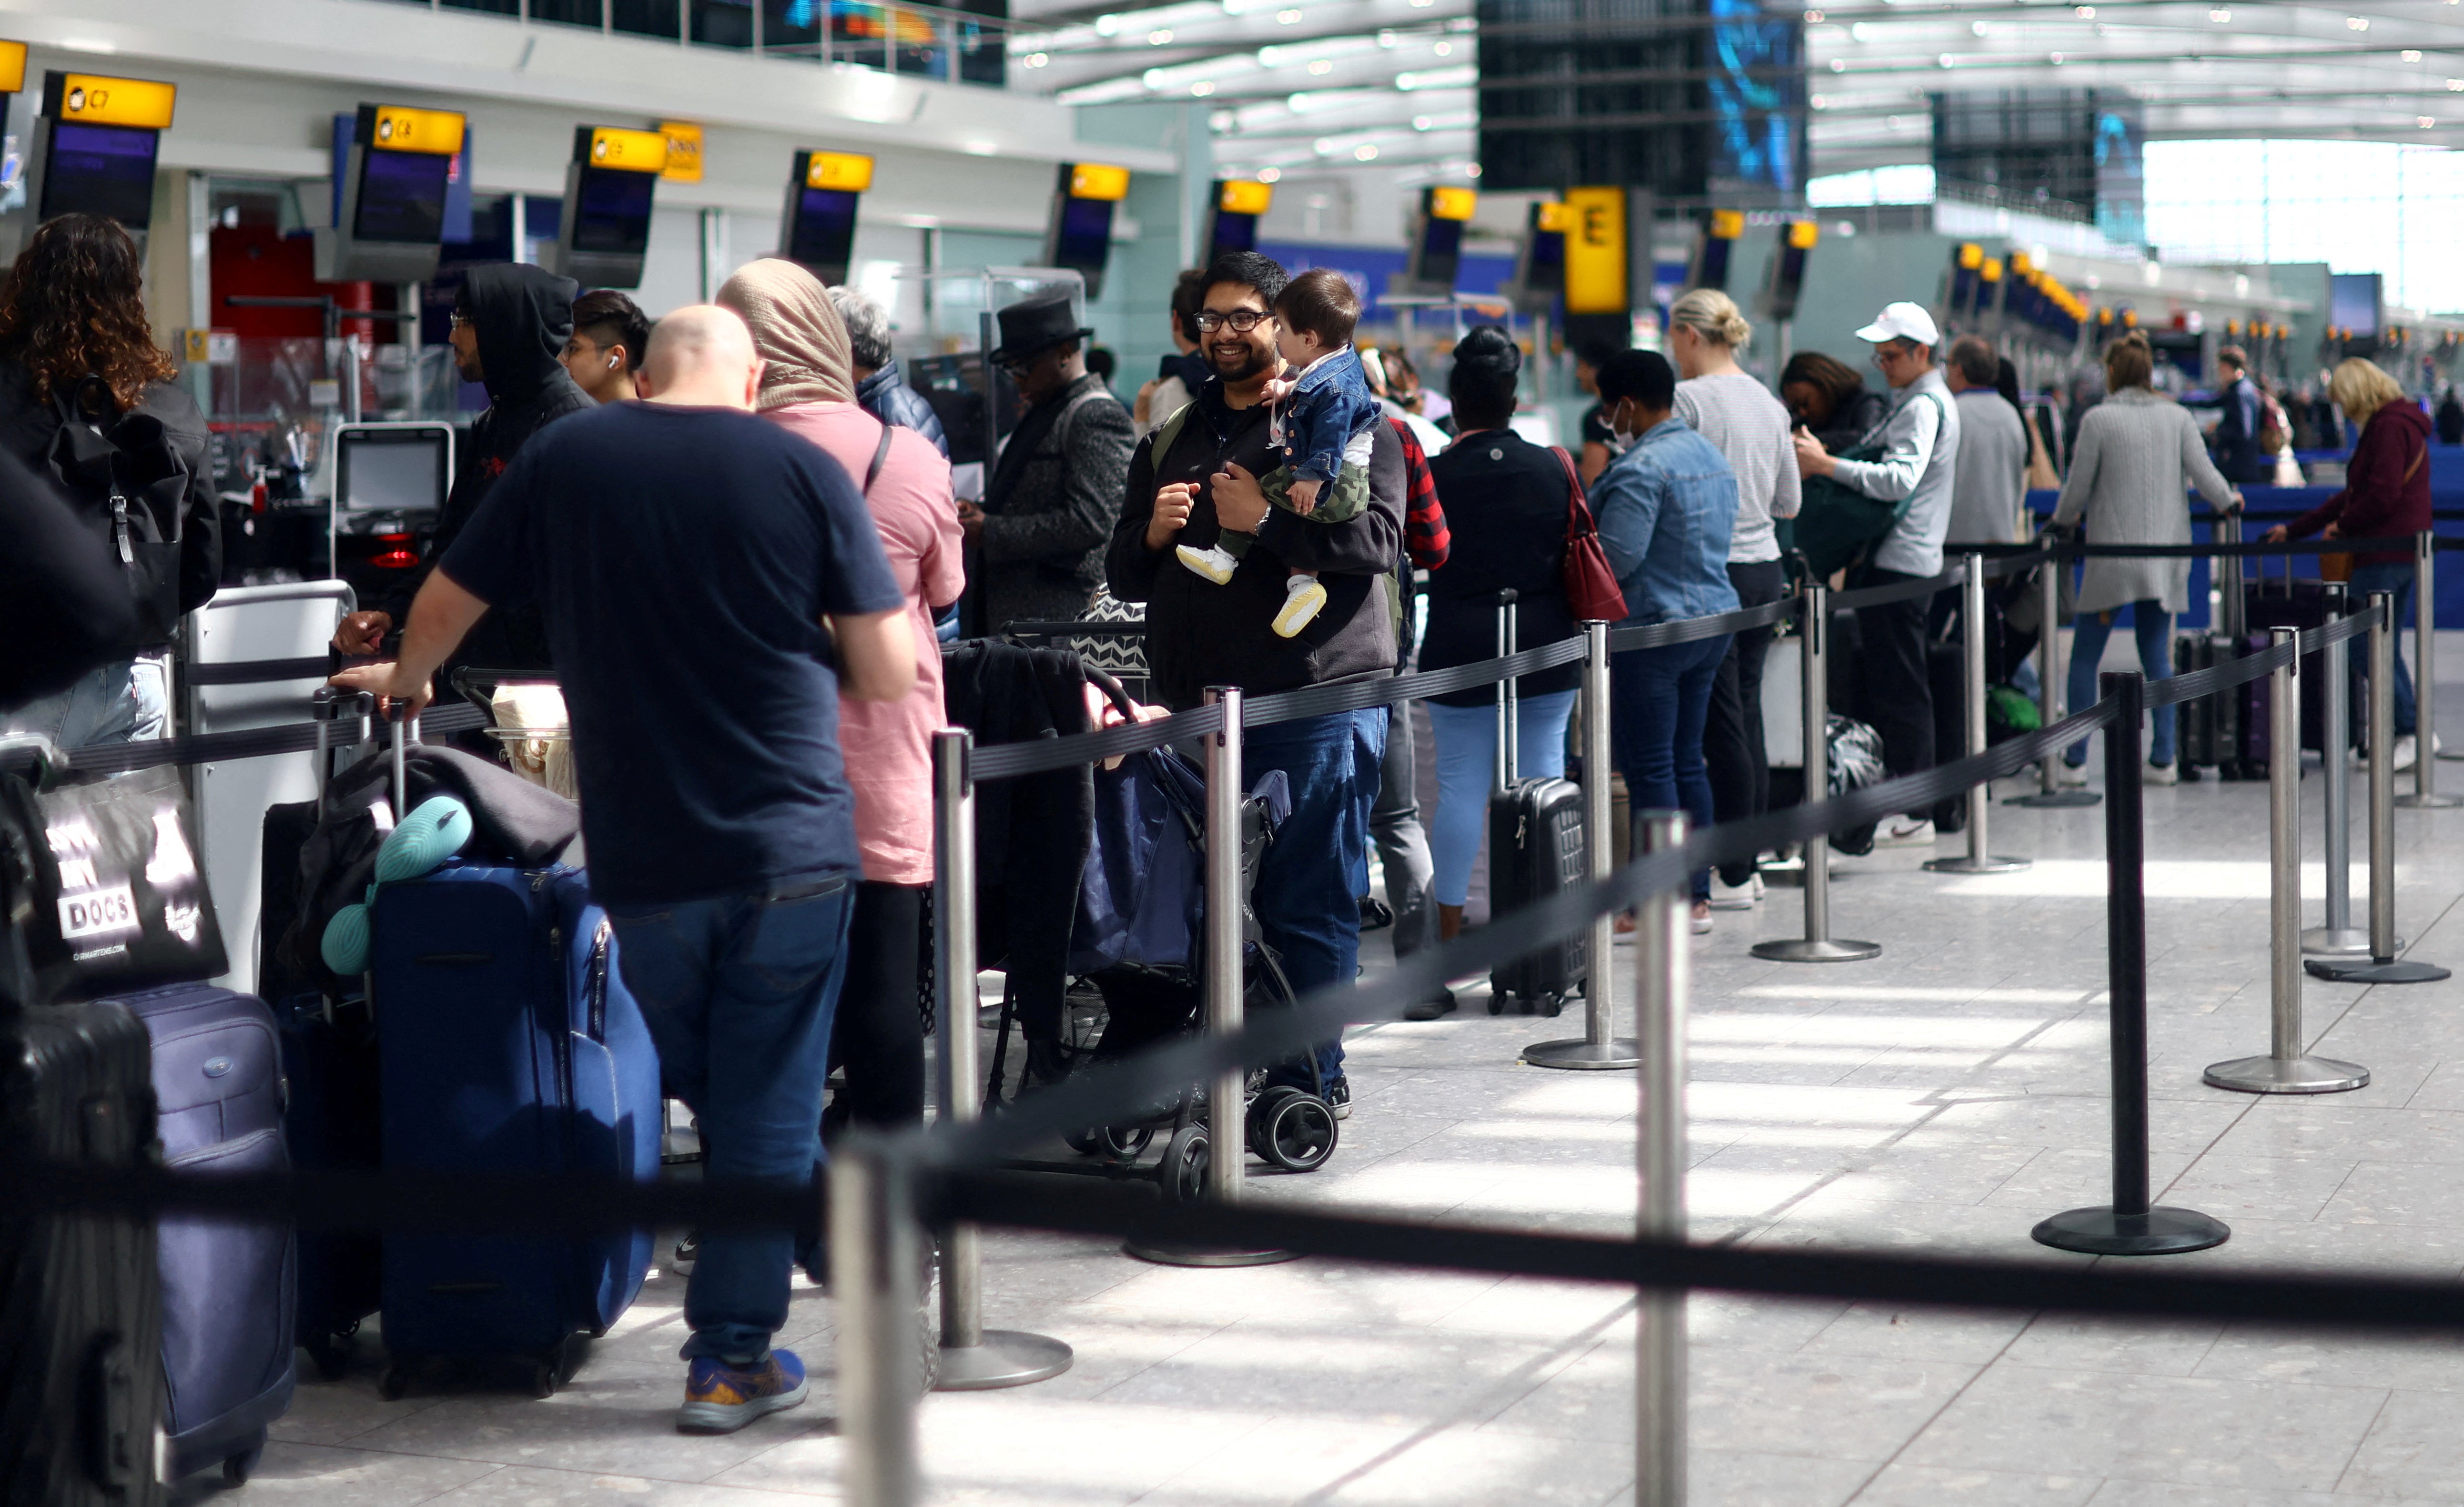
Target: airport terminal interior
x=1952, y=367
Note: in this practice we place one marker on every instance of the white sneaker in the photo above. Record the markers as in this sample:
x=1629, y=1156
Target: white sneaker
x=1303, y=597
x=1726, y=896
x=1904, y=832
x=2407, y=750
x=1701, y=921
x=1215, y=562
x=2072, y=776
x=2164, y=774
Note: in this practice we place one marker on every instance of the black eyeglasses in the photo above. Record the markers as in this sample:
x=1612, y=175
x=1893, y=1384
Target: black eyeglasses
x=1241, y=320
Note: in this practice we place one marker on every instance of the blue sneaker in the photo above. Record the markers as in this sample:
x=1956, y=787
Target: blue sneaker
x=720, y=1398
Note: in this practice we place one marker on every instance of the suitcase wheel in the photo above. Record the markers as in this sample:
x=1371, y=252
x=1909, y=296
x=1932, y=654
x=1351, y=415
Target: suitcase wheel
x=394, y=1383
x=1553, y=1006
x=1497, y=1002
x=238, y=1468
x=331, y=1352
x=545, y=1379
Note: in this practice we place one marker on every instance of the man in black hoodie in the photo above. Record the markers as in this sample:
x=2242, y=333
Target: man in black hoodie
x=511, y=322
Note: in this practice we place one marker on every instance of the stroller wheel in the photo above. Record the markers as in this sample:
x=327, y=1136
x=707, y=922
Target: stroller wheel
x=1124, y=1142
x=1300, y=1133
x=1262, y=1110
x=1087, y=1142
x=1182, y=1176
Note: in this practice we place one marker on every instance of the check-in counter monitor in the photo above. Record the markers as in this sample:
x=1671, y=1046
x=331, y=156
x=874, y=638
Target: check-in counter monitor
x=1079, y=235
x=1540, y=260
x=1714, y=248
x=1437, y=238
x=819, y=227
x=1233, y=225
x=94, y=148
x=1785, y=281
x=605, y=228
x=391, y=219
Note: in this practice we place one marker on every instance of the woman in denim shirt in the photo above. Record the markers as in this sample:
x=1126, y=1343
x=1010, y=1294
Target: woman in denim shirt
x=1666, y=508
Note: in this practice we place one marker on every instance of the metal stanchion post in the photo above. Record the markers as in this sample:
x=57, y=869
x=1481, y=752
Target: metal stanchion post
x=2131, y=1225
x=1601, y=1046
x=872, y=1279
x=1220, y=1148
x=2285, y=1069
x=1980, y=795
x=2049, y=792
x=2425, y=678
x=1662, y=968
x=2337, y=937
x=974, y=1359
x=1818, y=945
x=2383, y=967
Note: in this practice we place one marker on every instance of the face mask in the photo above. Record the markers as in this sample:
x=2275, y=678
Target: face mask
x=1620, y=441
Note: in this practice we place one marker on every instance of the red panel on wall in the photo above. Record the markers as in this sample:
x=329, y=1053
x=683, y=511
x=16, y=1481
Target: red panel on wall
x=257, y=260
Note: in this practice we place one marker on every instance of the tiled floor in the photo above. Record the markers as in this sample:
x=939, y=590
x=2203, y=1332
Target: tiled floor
x=1942, y=1098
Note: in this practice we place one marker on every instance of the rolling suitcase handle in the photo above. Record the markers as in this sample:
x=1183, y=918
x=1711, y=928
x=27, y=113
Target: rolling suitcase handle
x=328, y=704
x=1509, y=714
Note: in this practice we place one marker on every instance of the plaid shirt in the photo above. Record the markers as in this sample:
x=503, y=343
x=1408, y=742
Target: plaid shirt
x=1424, y=522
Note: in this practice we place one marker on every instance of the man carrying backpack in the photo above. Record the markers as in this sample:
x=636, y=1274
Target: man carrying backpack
x=87, y=403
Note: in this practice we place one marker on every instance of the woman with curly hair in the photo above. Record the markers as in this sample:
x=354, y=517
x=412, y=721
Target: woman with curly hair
x=86, y=402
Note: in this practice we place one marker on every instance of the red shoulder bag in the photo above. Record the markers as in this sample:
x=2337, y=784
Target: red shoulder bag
x=1592, y=591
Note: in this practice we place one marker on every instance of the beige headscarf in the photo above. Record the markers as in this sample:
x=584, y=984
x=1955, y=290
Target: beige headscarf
x=796, y=329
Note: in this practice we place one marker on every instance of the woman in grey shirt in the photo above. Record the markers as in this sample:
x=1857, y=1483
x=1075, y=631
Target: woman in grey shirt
x=2138, y=450
x=1739, y=416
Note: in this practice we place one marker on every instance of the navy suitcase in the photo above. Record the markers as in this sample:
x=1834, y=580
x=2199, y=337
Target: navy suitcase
x=226, y=1287
x=508, y=1043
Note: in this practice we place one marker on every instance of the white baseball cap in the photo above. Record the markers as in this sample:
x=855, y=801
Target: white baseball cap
x=1902, y=322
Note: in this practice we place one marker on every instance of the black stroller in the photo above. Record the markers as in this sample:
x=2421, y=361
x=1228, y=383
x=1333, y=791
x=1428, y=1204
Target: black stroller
x=1138, y=945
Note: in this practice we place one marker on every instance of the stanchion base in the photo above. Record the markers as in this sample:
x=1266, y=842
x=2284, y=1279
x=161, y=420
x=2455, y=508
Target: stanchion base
x=2436, y=801
x=1006, y=1358
x=2277, y=1075
x=2161, y=1231
x=1619, y=1052
x=1964, y=865
x=1173, y=1252
x=2338, y=942
x=1811, y=950
x=2048, y=799
x=2375, y=971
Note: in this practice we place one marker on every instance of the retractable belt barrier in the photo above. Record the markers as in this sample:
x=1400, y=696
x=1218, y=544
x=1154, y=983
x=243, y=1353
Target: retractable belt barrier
x=297, y=737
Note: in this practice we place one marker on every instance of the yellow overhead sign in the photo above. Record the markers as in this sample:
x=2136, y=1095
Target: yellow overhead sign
x=93, y=100
x=1727, y=225
x=1596, y=252
x=399, y=128
x=852, y=171
x=684, y=151
x=628, y=151
x=1803, y=233
x=1556, y=218
x=1098, y=181
x=12, y=67
x=1245, y=196
x=1452, y=204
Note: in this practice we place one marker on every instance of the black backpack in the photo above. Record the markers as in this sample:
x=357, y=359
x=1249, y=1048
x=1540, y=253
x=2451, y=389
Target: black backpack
x=125, y=477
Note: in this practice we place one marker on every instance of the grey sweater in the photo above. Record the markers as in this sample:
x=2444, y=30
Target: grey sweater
x=1920, y=444
x=2138, y=451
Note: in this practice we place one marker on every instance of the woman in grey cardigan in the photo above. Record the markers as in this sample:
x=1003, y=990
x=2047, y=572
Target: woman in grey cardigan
x=2138, y=451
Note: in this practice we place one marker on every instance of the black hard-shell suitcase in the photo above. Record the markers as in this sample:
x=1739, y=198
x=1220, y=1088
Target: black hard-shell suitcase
x=80, y=1320
x=2303, y=605
x=1946, y=675
x=1535, y=849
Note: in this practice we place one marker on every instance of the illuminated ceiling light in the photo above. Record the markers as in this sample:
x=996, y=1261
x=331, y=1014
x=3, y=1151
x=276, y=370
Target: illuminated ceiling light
x=2412, y=55
x=1158, y=37
x=1270, y=57
x=1976, y=28
x=1893, y=123
x=2424, y=121
x=1443, y=49
x=1857, y=31
x=1471, y=170
x=2085, y=12
x=1813, y=18
x=1320, y=67
x=2220, y=16
x=2456, y=86
x=1289, y=16
x=1268, y=175
x=1038, y=59
x=1838, y=67
x=2057, y=59
x=1820, y=101
x=1944, y=60
x=1106, y=24
x=1323, y=146
x=1387, y=39
x=1203, y=88
x=2356, y=23
x=1421, y=123
x=1365, y=152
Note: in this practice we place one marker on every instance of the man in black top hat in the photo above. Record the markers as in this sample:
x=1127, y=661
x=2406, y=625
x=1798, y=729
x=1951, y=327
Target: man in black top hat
x=1048, y=509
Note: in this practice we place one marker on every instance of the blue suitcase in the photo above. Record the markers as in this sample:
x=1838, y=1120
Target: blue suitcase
x=507, y=1043
x=226, y=1287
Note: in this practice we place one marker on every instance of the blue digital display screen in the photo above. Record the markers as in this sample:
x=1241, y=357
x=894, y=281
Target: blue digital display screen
x=100, y=169
x=401, y=198
x=613, y=212
x=824, y=235
x=1757, y=87
x=1085, y=235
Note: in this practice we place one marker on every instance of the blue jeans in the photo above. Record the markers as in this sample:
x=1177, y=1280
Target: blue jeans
x=738, y=993
x=126, y=702
x=1313, y=875
x=2089, y=631
x=1659, y=699
x=1467, y=772
x=2396, y=577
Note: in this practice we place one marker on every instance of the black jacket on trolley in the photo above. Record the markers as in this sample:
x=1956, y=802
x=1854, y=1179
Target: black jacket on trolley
x=177, y=456
x=523, y=316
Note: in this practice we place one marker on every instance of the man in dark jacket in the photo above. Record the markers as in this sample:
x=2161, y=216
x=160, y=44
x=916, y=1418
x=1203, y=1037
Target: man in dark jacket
x=511, y=322
x=2236, y=447
x=880, y=388
x=1050, y=505
x=1200, y=634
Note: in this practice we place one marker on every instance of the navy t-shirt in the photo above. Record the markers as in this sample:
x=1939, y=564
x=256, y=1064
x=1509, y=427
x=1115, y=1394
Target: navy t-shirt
x=684, y=558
